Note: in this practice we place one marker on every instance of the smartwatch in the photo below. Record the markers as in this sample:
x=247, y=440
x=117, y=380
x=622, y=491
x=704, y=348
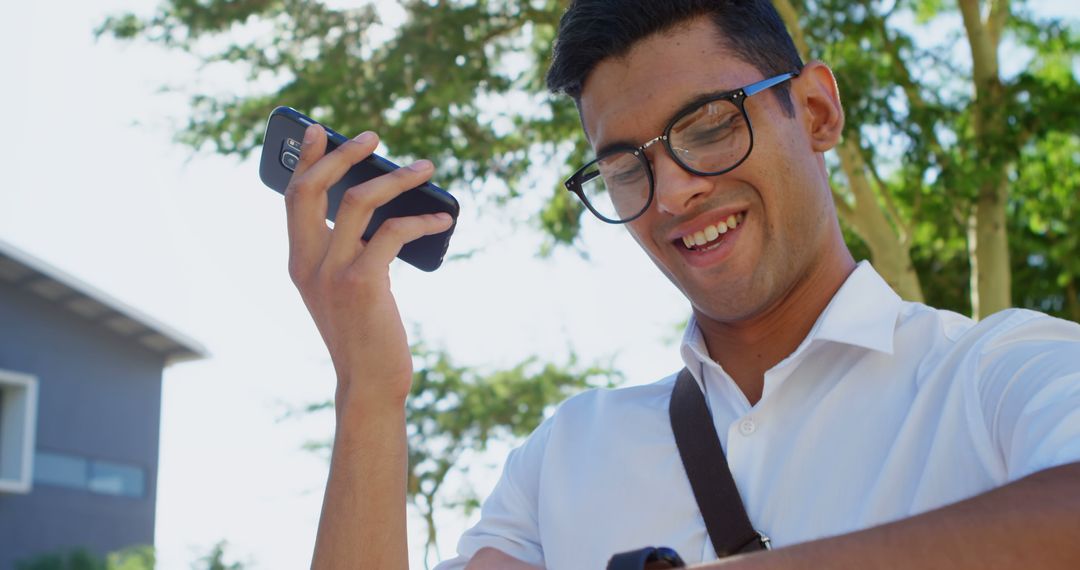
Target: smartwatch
x=639, y=559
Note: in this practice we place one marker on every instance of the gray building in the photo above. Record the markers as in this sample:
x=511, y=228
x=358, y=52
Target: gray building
x=80, y=403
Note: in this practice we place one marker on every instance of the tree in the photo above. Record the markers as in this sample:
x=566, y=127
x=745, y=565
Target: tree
x=454, y=409
x=964, y=132
x=133, y=558
x=215, y=559
x=929, y=174
x=449, y=85
x=76, y=559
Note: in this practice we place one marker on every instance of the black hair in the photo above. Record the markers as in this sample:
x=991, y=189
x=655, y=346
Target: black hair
x=594, y=30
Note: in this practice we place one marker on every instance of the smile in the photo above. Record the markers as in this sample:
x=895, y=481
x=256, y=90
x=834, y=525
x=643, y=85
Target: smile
x=712, y=235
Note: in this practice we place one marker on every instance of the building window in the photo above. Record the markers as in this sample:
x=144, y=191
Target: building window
x=76, y=472
x=18, y=416
x=115, y=479
x=60, y=469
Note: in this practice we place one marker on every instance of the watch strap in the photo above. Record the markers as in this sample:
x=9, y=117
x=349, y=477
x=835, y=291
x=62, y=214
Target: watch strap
x=637, y=559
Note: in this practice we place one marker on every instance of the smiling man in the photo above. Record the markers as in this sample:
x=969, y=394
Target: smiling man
x=861, y=431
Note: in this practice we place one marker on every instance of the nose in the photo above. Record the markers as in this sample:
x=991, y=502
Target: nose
x=677, y=191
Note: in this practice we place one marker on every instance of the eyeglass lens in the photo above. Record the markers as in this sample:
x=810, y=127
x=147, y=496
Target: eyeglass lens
x=710, y=139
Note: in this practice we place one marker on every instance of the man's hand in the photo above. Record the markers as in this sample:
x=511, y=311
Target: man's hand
x=345, y=284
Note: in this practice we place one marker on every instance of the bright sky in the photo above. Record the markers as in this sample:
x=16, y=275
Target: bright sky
x=95, y=186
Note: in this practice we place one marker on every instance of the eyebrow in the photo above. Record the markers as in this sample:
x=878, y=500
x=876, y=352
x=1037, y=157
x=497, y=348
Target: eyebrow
x=691, y=102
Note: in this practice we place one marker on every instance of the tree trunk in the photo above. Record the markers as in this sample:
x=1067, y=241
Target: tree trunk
x=889, y=253
x=993, y=280
x=973, y=261
x=889, y=250
x=992, y=277
x=431, y=541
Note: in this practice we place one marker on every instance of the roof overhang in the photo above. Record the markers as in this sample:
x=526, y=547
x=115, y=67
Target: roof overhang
x=32, y=274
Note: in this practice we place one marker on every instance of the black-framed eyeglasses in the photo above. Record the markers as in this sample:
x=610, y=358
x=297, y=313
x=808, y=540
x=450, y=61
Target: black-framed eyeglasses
x=709, y=137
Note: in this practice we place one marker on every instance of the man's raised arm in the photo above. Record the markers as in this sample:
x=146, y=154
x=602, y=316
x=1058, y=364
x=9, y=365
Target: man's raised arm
x=345, y=284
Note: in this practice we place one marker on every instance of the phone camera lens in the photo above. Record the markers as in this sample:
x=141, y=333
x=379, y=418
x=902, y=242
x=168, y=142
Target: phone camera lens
x=290, y=160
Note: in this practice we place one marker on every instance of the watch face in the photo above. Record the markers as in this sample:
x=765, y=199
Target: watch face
x=665, y=554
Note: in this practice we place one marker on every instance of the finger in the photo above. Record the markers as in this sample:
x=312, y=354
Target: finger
x=306, y=195
x=359, y=203
x=312, y=148
x=305, y=208
x=326, y=171
x=396, y=232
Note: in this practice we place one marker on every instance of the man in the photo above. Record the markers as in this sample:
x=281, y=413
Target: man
x=861, y=430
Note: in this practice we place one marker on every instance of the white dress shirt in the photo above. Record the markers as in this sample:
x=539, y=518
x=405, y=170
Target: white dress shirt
x=887, y=409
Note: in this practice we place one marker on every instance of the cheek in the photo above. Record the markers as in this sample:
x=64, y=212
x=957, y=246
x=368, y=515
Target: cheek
x=793, y=211
x=636, y=229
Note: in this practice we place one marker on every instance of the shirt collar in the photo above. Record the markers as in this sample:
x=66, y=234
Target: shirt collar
x=862, y=313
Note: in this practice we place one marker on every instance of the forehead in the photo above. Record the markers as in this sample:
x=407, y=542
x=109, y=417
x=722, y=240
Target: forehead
x=632, y=98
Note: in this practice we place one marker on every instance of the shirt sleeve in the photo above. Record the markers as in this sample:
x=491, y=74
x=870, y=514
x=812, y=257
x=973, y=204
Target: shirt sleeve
x=508, y=518
x=1030, y=392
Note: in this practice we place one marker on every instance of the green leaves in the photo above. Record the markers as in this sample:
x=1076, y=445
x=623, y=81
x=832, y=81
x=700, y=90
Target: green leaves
x=443, y=85
x=453, y=410
x=1045, y=225
x=461, y=82
x=131, y=558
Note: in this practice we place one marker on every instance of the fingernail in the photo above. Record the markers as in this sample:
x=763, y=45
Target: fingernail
x=443, y=217
x=365, y=137
x=421, y=165
x=309, y=134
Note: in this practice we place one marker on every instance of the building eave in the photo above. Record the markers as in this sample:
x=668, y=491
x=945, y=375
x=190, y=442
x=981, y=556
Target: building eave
x=30, y=273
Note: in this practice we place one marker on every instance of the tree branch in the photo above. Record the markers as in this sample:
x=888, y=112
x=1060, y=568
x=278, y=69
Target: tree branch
x=855, y=169
x=916, y=101
x=868, y=218
x=854, y=155
x=843, y=209
x=903, y=226
x=983, y=55
x=961, y=214
x=999, y=14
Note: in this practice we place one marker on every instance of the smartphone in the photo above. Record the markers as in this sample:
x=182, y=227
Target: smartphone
x=281, y=153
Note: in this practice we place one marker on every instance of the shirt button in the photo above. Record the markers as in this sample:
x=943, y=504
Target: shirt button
x=747, y=427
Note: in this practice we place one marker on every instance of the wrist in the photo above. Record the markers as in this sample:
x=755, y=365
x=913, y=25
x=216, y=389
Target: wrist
x=367, y=411
x=376, y=433
x=368, y=393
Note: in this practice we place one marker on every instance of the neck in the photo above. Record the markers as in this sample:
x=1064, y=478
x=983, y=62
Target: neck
x=746, y=349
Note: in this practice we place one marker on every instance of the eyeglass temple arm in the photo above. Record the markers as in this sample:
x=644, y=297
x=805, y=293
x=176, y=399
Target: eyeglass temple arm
x=767, y=83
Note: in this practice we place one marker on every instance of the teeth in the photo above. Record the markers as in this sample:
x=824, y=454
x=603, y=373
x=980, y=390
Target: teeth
x=711, y=233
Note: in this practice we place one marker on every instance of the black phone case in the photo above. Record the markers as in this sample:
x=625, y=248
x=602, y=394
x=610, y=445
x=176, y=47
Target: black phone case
x=284, y=131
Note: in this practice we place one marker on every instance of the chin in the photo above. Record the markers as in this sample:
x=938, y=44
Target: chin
x=728, y=311
x=735, y=300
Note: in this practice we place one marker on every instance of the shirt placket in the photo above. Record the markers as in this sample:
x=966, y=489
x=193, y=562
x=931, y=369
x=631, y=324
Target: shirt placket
x=747, y=441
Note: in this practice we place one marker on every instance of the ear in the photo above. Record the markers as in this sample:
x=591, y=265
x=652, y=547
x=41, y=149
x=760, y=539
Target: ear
x=815, y=94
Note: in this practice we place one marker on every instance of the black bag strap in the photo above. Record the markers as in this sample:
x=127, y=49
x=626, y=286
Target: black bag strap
x=703, y=458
